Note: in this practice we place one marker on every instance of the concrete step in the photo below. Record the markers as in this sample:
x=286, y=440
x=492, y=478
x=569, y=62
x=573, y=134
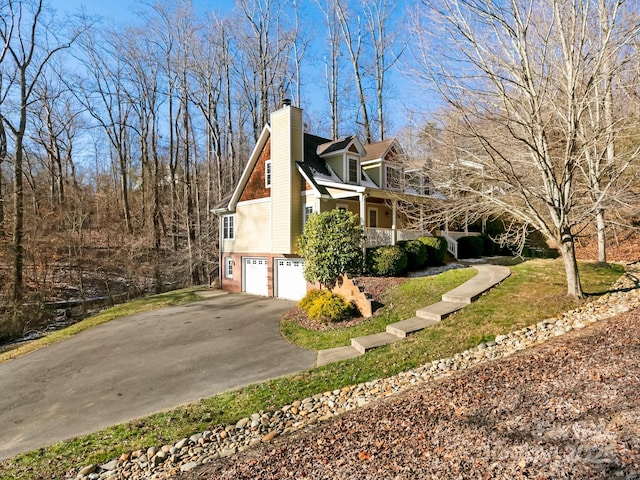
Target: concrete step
x=362, y=344
x=405, y=327
x=332, y=355
x=439, y=310
x=488, y=277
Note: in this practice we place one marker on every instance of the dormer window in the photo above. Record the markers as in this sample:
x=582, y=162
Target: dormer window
x=393, y=178
x=267, y=174
x=353, y=170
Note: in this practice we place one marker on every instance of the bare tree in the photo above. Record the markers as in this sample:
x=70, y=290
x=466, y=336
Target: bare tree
x=520, y=79
x=332, y=61
x=353, y=36
x=30, y=47
x=382, y=33
x=615, y=28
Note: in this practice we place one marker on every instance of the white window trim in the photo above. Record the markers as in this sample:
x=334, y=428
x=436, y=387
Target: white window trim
x=268, y=174
x=358, y=172
x=229, y=233
x=342, y=206
x=228, y=267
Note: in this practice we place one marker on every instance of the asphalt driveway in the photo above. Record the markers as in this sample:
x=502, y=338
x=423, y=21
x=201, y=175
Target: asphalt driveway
x=138, y=365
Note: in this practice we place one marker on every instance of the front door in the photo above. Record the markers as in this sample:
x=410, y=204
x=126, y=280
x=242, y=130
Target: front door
x=373, y=217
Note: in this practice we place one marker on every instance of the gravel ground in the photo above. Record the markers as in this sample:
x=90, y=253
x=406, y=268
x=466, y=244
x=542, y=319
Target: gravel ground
x=569, y=408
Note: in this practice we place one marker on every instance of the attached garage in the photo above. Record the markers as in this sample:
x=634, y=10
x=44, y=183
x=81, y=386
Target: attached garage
x=290, y=280
x=255, y=276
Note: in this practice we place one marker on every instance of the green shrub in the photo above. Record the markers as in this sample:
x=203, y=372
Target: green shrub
x=387, y=261
x=470, y=247
x=416, y=253
x=331, y=245
x=324, y=306
x=436, y=249
x=489, y=246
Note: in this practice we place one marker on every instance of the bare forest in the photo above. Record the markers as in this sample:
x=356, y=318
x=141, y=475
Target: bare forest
x=118, y=141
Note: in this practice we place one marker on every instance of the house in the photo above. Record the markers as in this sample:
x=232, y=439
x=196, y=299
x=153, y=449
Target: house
x=290, y=175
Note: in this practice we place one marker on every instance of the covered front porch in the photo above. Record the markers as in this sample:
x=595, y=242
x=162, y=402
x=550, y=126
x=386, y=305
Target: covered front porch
x=380, y=215
x=378, y=237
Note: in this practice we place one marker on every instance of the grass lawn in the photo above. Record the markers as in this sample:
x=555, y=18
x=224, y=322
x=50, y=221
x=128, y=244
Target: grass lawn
x=401, y=302
x=534, y=291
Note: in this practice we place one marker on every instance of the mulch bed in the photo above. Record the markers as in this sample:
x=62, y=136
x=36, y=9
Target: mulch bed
x=374, y=286
x=566, y=409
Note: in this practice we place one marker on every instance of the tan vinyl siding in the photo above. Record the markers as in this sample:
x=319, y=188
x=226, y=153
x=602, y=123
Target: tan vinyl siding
x=286, y=149
x=353, y=207
x=252, y=229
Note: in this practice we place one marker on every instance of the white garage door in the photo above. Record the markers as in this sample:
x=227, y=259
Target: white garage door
x=255, y=275
x=290, y=278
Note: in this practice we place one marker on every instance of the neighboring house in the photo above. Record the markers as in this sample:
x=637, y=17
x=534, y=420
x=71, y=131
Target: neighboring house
x=290, y=175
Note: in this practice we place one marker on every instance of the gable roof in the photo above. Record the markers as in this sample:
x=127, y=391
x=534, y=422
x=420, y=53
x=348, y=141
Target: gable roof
x=248, y=169
x=313, y=168
x=379, y=150
x=335, y=146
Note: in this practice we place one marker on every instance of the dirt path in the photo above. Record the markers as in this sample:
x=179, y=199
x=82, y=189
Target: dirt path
x=567, y=409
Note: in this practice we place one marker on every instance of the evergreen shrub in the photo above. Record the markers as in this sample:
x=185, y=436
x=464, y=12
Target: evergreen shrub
x=325, y=307
x=387, y=261
x=470, y=247
x=416, y=253
x=436, y=249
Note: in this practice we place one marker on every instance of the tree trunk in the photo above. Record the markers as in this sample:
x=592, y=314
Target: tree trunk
x=18, y=230
x=3, y=156
x=602, y=236
x=567, y=248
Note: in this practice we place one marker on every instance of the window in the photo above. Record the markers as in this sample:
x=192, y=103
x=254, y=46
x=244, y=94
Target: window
x=267, y=174
x=307, y=213
x=228, y=227
x=352, y=170
x=228, y=267
x=394, y=178
x=343, y=207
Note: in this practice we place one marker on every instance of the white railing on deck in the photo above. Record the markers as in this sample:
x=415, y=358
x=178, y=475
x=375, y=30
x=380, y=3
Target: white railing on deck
x=452, y=244
x=377, y=237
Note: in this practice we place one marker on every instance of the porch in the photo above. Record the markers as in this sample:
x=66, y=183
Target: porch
x=379, y=237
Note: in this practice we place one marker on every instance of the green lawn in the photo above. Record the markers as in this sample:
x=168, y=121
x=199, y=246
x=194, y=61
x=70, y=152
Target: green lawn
x=534, y=291
x=401, y=302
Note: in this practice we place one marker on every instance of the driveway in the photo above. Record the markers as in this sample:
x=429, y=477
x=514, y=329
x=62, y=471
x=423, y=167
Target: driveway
x=138, y=365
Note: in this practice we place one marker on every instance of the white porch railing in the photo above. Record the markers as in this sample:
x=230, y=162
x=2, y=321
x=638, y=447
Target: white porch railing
x=452, y=244
x=452, y=240
x=378, y=237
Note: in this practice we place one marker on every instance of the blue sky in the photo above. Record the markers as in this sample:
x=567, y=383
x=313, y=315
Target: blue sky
x=405, y=95
x=124, y=10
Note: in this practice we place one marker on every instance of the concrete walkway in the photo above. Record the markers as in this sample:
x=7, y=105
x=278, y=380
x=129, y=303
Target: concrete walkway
x=134, y=366
x=488, y=276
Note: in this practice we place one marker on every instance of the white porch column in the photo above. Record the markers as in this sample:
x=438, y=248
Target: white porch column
x=394, y=205
x=362, y=198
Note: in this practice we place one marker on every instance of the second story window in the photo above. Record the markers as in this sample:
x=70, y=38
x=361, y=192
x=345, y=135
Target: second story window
x=393, y=178
x=353, y=173
x=267, y=174
x=228, y=227
x=307, y=213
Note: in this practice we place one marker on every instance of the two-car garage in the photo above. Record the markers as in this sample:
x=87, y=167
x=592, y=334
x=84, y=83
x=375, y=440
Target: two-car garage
x=288, y=275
